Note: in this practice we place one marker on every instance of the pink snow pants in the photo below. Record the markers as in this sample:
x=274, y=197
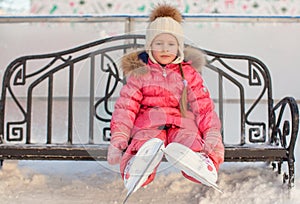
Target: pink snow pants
x=188, y=137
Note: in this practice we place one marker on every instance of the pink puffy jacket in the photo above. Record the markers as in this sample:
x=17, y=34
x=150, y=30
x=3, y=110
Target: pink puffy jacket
x=150, y=99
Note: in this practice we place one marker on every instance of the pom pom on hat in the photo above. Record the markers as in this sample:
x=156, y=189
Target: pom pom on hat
x=165, y=11
x=165, y=19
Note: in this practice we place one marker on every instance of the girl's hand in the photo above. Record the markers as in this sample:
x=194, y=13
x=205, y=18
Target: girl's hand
x=114, y=155
x=115, y=151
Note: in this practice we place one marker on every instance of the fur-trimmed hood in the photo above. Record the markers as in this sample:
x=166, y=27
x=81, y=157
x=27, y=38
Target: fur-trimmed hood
x=136, y=61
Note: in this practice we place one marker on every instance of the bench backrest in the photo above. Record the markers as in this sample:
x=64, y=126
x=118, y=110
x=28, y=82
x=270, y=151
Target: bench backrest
x=68, y=96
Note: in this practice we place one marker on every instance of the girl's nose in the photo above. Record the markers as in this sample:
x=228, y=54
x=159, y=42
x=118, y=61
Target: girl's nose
x=165, y=48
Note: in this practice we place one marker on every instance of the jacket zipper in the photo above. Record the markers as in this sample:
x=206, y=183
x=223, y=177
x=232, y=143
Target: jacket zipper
x=164, y=71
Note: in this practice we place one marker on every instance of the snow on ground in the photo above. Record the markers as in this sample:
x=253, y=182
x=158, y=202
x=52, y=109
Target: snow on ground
x=76, y=182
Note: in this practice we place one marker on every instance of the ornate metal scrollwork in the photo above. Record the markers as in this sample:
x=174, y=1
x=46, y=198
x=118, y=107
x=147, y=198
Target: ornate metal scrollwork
x=20, y=75
x=112, y=81
x=285, y=133
x=15, y=131
x=106, y=134
x=258, y=133
x=254, y=78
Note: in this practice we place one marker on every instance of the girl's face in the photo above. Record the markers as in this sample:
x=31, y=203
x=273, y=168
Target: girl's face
x=164, y=48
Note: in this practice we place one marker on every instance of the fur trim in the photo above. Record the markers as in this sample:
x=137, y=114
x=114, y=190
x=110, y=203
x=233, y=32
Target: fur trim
x=164, y=10
x=131, y=64
x=196, y=56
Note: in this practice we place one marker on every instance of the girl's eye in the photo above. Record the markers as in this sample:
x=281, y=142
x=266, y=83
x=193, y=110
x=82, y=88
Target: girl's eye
x=157, y=43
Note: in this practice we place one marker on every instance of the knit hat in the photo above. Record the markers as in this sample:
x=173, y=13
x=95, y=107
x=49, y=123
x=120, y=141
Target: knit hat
x=165, y=19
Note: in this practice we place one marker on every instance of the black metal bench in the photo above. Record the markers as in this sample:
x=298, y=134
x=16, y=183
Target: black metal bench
x=58, y=106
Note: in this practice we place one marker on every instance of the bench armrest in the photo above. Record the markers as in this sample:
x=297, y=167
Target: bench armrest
x=282, y=127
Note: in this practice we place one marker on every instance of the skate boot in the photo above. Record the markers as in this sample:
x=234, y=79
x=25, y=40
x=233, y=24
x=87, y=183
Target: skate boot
x=194, y=164
x=142, y=165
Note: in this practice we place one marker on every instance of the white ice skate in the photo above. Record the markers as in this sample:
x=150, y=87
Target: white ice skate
x=196, y=165
x=142, y=165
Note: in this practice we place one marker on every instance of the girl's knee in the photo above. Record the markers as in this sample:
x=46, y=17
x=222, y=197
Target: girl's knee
x=188, y=139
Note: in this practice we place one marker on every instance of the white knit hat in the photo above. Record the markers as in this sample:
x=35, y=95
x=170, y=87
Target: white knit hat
x=165, y=19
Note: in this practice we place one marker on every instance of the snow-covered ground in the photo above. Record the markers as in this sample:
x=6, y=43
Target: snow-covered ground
x=63, y=182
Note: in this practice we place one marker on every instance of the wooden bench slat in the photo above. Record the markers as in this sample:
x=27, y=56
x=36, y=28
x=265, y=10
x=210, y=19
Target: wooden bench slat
x=255, y=153
x=54, y=152
x=99, y=151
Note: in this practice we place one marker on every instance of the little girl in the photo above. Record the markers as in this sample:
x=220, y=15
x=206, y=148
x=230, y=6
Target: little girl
x=164, y=96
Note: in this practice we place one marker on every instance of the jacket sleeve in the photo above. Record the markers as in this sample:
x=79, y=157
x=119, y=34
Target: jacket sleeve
x=126, y=108
x=206, y=118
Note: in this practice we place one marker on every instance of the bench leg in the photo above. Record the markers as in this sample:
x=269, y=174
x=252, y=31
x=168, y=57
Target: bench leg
x=1, y=163
x=287, y=177
x=290, y=177
x=279, y=167
x=291, y=173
